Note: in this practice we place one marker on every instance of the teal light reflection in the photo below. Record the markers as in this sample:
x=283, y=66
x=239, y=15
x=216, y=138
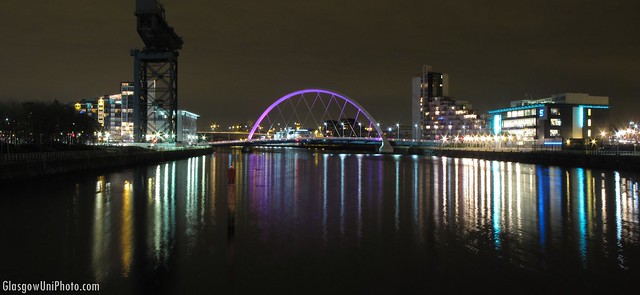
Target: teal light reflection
x=582, y=215
x=497, y=206
x=324, y=198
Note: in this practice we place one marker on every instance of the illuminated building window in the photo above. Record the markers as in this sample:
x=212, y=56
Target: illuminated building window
x=556, y=122
x=589, y=113
x=554, y=133
x=554, y=111
x=589, y=123
x=589, y=133
x=521, y=113
x=519, y=123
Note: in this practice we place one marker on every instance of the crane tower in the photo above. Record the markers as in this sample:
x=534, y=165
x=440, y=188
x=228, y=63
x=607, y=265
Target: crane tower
x=155, y=74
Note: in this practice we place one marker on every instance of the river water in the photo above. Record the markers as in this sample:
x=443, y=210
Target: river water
x=305, y=222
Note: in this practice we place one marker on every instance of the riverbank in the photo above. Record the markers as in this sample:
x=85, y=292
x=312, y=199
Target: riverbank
x=22, y=166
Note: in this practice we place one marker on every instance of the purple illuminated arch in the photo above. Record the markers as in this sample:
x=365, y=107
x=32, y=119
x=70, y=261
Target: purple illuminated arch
x=385, y=143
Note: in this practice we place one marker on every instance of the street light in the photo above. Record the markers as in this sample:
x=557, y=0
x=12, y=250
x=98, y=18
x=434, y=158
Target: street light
x=398, y=130
x=416, y=134
x=360, y=124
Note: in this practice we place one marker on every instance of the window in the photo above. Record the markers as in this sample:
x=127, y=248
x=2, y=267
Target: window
x=556, y=122
x=589, y=133
x=589, y=112
x=519, y=123
x=589, y=123
x=555, y=111
x=554, y=133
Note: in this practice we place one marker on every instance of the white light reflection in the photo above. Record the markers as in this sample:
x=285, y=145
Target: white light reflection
x=166, y=211
x=101, y=231
x=456, y=194
x=618, y=200
x=484, y=195
x=603, y=201
x=443, y=197
x=157, y=215
x=509, y=193
x=191, y=213
x=203, y=186
x=519, y=195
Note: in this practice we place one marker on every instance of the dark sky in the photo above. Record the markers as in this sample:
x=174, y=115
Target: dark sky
x=240, y=56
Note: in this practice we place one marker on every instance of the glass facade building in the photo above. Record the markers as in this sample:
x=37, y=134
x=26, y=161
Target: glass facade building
x=551, y=120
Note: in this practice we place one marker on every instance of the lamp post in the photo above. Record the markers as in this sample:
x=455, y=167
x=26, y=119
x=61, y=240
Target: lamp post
x=416, y=132
x=360, y=132
x=398, y=130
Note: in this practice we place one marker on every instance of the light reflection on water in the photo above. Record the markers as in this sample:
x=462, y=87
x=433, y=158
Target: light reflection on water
x=166, y=224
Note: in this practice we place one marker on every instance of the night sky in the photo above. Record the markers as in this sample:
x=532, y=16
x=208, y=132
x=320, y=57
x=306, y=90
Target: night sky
x=240, y=56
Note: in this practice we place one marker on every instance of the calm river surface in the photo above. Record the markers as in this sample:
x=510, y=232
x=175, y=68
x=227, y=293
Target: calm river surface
x=307, y=222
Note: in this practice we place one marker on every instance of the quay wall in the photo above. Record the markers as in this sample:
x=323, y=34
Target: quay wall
x=25, y=166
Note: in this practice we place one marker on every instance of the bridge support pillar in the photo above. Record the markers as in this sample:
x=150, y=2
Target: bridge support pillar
x=386, y=147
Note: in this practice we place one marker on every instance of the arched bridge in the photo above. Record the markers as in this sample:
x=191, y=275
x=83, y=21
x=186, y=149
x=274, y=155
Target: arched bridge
x=316, y=116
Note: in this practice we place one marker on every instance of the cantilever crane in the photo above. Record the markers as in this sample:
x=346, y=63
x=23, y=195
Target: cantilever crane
x=156, y=74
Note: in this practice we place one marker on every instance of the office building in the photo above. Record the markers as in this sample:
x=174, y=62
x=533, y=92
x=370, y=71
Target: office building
x=550, y=120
